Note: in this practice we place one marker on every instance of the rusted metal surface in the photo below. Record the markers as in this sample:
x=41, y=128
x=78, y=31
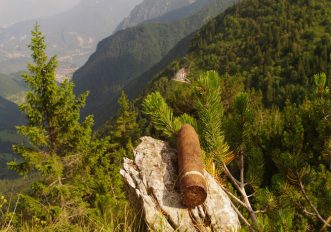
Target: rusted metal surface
x=192, y=181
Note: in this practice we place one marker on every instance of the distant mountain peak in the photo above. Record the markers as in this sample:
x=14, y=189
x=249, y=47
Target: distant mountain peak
x=150, y=9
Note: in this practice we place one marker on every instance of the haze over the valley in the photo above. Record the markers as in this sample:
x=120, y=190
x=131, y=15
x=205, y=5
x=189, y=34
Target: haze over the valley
x=13, y=11
x=72, y=29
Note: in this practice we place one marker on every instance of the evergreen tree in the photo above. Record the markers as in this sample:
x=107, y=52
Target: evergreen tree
x=104, y=179
x=58, y=143
x=125, y=129
x=246, y=156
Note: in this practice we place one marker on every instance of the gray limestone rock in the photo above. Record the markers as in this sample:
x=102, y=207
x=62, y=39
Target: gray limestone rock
x=151, y=181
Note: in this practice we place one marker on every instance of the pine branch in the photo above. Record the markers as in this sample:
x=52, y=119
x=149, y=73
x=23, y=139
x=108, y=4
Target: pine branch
x=242, y=217
x=241, y=188
x=249, y=207
x=305, y=211
x=162, y=117
x=242, y=170
x=235, y=182
x=310, y=202
x=234, y=197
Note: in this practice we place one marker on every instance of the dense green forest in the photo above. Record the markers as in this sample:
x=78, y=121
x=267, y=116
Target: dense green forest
x=258, y=94
x=276, y=46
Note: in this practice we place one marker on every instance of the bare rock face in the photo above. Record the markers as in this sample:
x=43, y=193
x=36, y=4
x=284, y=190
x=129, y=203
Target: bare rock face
x=151, y=181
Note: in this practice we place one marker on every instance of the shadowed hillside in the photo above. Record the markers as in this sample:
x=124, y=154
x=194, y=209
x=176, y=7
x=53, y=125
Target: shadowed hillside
x=127, y=54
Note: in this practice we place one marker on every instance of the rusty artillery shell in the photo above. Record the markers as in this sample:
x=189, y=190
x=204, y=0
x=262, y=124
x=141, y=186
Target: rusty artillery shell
x=192, y=181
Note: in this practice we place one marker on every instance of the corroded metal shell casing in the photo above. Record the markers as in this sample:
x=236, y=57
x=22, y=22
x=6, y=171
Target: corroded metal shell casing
x=192, y=183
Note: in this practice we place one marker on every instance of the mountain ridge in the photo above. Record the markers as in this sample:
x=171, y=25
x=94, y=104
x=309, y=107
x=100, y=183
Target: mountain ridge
x=151, y=9
x=129, y=53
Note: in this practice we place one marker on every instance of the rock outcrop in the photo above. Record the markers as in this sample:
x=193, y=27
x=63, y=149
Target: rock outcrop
x=151, y=181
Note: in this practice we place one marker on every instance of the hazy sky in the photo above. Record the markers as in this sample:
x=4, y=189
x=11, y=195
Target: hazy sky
x=12, y=11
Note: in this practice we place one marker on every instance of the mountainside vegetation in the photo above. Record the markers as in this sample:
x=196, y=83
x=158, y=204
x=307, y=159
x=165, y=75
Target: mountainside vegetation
x=10, y=114
x=274, y=164
x=273, y=58
x=278, y=47
x=12, y=87
x=127, y=54
x=12, y=90
x=260, y=105
x=59, y=153
x=287, y=47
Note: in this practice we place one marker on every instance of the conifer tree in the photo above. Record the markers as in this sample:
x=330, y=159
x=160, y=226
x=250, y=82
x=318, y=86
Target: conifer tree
x=125, y=129
x=105, y=180
x=57, y=141
x=248, y=162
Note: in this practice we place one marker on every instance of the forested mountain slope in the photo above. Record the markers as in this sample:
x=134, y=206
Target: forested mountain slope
x=10, y=115
x=277, y=46
x=127, y=54
x=12, y=86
